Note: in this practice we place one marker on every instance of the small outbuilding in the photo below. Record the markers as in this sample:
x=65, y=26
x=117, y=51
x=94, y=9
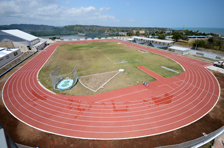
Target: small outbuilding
x=7, y=55
x=179, y=50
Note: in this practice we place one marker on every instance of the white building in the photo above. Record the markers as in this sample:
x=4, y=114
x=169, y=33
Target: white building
x=22, y=40
x=179, y=50
x=7, y=55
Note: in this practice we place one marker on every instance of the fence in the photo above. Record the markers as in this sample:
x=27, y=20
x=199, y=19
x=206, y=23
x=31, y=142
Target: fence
x=57, y=76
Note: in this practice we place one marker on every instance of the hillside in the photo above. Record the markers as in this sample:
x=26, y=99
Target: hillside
x=89, y=30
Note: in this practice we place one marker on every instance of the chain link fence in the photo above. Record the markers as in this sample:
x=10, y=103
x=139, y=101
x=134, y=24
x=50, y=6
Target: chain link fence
x=56, y=77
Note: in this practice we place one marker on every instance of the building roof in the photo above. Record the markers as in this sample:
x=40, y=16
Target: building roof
x=197, y=36
x=179, y=48
x=20, y=34
x=149, y=39
x=4, y=52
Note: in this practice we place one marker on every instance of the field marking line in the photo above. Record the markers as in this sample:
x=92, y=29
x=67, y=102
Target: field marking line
x=87, y=87
x=102, y=84
x=105, y=56
x=166, y=85
x=108, y=80
x=97, y=73
x=197, y=87
x=176, y=83
x=122, y=95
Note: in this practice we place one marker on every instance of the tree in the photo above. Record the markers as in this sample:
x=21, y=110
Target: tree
x=129, y=33
x=162, y=36
x=137, y=33
x=187, y=32
x=177, y=36
x=211, y=41
x=146, y=34
x=185, y=37
x=199, y=43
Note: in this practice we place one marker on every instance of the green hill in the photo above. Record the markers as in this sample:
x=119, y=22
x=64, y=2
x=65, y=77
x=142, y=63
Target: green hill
x=89, y=30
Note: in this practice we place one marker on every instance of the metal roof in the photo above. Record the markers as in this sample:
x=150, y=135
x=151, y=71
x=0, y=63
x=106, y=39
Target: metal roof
x=20, y=34
x=197, y=36
x=179, y=48
x=149, y=39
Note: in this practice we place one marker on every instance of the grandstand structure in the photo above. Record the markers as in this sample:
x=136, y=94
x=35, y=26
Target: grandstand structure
x=179, y=50
x=157, y=43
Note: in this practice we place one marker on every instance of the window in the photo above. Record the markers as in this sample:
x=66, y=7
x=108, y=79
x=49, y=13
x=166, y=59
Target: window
x=15, y=53
x=7, y=57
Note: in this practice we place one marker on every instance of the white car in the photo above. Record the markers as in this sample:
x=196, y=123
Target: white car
x=219, y=63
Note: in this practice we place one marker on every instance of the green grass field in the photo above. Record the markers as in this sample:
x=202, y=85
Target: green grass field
x=99, y=57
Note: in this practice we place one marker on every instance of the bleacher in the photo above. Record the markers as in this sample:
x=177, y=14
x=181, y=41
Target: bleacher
x=159, y=46
x=140, y=42
x=146, y=44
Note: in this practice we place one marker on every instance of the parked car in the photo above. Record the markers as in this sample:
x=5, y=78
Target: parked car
x=219, y=64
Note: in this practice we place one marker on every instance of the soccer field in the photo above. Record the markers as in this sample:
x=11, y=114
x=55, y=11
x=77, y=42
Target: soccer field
x=102, y=57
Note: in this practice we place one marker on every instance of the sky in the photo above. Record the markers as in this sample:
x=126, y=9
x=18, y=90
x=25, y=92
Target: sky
x=117, y=13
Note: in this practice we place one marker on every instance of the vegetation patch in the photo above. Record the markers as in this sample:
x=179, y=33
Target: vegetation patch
x=78, y=47
x=101, y=57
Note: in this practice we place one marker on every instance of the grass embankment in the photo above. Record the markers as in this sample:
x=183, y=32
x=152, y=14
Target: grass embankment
x=99, y=57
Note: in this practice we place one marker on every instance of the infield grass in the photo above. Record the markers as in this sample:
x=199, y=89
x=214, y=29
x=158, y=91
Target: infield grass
x=99, y=57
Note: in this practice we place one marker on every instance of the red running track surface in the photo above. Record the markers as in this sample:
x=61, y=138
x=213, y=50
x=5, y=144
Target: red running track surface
x=136, y=111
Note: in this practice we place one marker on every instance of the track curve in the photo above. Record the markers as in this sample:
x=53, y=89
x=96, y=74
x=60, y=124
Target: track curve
x=130, y=112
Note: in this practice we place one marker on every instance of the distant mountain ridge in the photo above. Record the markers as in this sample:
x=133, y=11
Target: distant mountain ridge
x=29, y=27
x=88, y=30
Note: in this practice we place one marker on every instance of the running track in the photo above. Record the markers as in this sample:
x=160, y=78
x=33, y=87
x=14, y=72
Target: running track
x=131, y=112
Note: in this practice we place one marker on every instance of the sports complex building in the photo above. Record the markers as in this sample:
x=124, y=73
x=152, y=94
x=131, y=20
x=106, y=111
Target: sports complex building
x=22, y=40
x=167, y=104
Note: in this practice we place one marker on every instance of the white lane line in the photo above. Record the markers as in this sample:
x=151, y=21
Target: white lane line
x=166, y=85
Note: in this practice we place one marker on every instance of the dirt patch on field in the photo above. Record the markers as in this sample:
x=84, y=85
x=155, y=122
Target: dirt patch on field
x=95, y=81
x=24, y=134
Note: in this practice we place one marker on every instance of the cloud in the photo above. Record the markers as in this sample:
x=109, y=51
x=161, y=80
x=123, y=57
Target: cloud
x=127, y=3
x=131, y=20
x=51, y=12
x=105, y=9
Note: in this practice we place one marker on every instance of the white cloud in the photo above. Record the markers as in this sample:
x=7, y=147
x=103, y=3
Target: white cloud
x=51, y=12
x=104, y=9
x=127, y=3
x=131, y=20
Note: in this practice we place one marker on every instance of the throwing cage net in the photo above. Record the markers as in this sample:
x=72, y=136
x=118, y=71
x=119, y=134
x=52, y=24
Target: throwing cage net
x=63, y=82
